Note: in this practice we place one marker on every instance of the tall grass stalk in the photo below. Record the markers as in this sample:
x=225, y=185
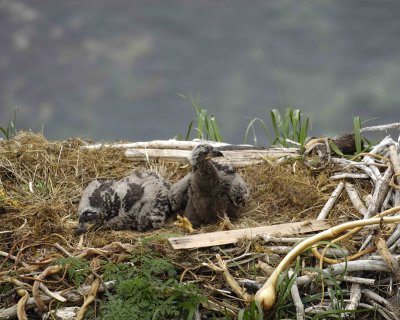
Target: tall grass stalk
x=11, y=130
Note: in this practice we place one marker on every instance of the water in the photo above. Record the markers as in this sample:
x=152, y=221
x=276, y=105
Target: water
x=113, y=70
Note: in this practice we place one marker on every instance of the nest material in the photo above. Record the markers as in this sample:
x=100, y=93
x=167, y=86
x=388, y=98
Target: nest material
x=42, y=181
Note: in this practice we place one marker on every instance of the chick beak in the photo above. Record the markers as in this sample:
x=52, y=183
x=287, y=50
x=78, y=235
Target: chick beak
x=81, y=228
x=214, y=154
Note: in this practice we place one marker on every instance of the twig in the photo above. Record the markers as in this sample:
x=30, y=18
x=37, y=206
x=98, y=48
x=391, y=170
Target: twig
x=265, y=268
x=348, y=175
x=381, y=189
x=359, y=280
x=375, y=297
x=387, y=257
x=384, y=127
x=21, y=313
x=331, y=202
x=355, y=297
x=89, y=299
x=35, y=289
x=378, y=308
x=267, y=294
x=355, y=199
x=300, y=315
x=236, y=288
x=351, y=266
x=72, y=295
x=268, y=238
x=348, y=163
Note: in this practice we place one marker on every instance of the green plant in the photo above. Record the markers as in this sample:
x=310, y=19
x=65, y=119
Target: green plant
x=291, y=127
x=77, y=268
x=10, y=131
x=207, y=126
x=253, y=312
x=147, y=288
x=357, y=134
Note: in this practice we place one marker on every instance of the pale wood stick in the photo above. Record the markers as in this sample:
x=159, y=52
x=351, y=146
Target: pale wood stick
x=235, y=158
x=349, y=175
x=355, y=297
x=348, y=163
x=330, y=252
x=387, y=141
x=331, y=202
x=155, y=144
x=379, y=194
x=236, y=288
x=265, y=268
x=381, y=189
x=394, y=159
x=355, y=199
x=359, y=280
x=351, y=266
x=387, y=257
x=269, y=238
x=300, y=315
x=381, y=127
x=373, y=296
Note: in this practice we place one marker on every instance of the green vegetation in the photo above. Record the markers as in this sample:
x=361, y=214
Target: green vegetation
x=357, y=133
x=147, y=288
x=10, y=131
x=254, y=312
x=77, y=269
x=289, y=128
x=207, y=126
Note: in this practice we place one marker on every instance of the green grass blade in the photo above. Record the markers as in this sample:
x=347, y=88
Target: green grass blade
x=250, y=125
x=303, y=134
x=295, y=119
x=335, y=148
x=276, y=123
x=215, y=129
x=189, y=130
x=201, y=119
x=357, y=134
x=5, y=132
x=286, y=123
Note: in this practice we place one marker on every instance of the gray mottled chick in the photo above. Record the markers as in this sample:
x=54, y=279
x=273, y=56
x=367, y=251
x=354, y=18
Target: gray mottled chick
x=137, y=202
x=210, y=190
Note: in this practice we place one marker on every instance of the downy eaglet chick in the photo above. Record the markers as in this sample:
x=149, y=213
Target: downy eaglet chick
x=210, y=190
x=137, y=202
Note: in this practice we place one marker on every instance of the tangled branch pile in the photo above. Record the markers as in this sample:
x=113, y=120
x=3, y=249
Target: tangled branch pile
x=41, y=183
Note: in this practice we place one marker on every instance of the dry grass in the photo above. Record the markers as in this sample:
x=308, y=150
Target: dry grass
x=42, y=183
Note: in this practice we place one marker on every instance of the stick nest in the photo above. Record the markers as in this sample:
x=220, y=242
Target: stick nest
x=41, y=183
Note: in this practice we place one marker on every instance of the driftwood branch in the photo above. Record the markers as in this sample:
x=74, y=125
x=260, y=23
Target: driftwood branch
x=226, y=237
x=300, y=314
x=71, y=295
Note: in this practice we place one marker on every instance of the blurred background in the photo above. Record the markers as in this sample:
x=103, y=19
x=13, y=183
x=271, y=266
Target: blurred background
x=113, y=70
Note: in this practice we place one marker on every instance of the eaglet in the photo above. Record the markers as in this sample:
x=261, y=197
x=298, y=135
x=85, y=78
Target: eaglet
x=210, y=190
x=137, y=202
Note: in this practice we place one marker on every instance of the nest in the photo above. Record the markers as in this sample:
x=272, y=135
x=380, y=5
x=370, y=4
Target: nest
x=42, y=181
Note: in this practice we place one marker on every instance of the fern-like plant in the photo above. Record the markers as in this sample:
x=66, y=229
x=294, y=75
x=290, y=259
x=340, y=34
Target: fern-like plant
x=147, y=288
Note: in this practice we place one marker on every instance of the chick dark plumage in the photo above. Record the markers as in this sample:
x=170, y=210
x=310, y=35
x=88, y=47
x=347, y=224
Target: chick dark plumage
x=210, y=190
x=138, y=202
